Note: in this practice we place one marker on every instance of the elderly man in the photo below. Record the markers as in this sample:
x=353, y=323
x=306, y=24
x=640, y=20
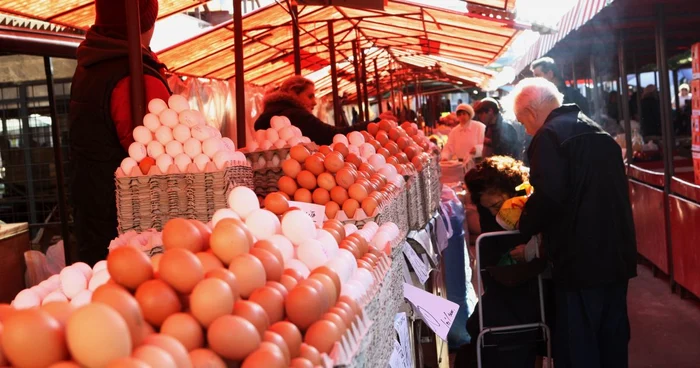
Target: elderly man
x=466, y=140
x=581, y=206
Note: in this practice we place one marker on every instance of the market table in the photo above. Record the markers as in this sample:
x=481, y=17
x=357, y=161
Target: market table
x=14, y=241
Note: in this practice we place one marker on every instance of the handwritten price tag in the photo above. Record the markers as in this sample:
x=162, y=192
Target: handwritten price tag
x=436, y=312
x=401, y=327
x=316, y=212
x=419, y=267
x=396, y=359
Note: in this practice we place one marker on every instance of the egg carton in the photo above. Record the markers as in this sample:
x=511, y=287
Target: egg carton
x=415, y=206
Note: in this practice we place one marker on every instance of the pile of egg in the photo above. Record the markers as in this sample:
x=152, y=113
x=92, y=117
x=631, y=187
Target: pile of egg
x=247, y=290
x=145, y=241
x=175, y=139
x=280, y=134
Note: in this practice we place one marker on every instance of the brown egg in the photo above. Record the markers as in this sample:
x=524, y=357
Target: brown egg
x=249, y=272
x=335, y=224
x=205, y=358
x=317, y=285
x=171, y=346
x=350, y=206
x=333, y=232
x=332, y=209
x=270, y=247
x=392, y=147
x=382, y=137
x=291, y=167
x=325, y=149
x=181, y=269
x=96, y=334
x=337, y=321
x=126, y=305
x=5, y=311
x=299, y=153
x=233, y=337
x=294, y=273
x=279, y=287
x=371, y=258
x=361, y=242
x=186, y=329
x=332, y=293
x=314, y=164
x=211, y=299
x=277, y=339
x=352, y=303
x=392, y=160
x=146, y=163
x=303, y=195
x=339, y=195
x=254, y=313
x=402, y=142
x=345, y=177
x=271, y=264
x=60, y=311
x=307, y=180
x=288, y=282
x=291, y=335
x=321, y=196
x=341, y=148
x=287, y=185
x=157, y=301
x=358, y=192
x=301, y=363
x=271, y=300
x=129, y=267
x=364, y=264
x=334, y=162
x=311, y=353
x=343, y=314
x=350, y=246
x=204, y=230
x=272, y=358
x=127, y=362
x=373, y=128
x=325, y=270
x=276, y=203
x=182, y=233
x=369, y=205
x=154, y=356
x=228, y=277
x=354, y=159
x=230, y=239
x=304, y=305
x=351, y=315
x=29, y=331
x=384, y=152
x=326, y=181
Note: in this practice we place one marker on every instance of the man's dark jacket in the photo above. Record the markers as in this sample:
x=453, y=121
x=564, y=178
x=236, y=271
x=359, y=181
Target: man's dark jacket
x=581, y=202
x=504, y=140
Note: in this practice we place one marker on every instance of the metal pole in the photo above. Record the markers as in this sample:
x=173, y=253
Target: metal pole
x=133, y=29
x=624, y=94
x=391, y=85
x=26, y=146
x=295, y=40
x=377, y=86
x=415, y=92
x=334, y=74
x=240, y=73
x=365, y=94
x=666, y=131
x=358, y=85
x=676, y=93
x=596, y=91
x=640, y=89
x=68, y=249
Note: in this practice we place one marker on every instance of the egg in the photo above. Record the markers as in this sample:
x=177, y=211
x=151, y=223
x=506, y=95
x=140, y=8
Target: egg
x=164, y=135
x=211, y=299
x=201, y=161
x=271, y=135
x=252, y=146
x=328, y=242
x=312, y=253
x=172, y=346
x=182, y=161
x=222, y=158
x=156, y=105
x=323, y=335
x=96, y=344
x=205, y=358
x=154, y=356
x=297, y=226
x=284, y=245
x=186, y=329
x=82, y=298
x=192, y=147
x=270, y=356
x=340, y=138
x=243, y=201
x=226, y=276
x=260, y=135
x=365, y=277
x=223, y=213
x=263, y=224
x=55, y=296
x=181, y=133
x=127, y=362
x=249, y=272
x=254, y=313
x=277, y=123
x=163, y=162
x=26, y=332
x=230, y=238
x=178, y=103
x=356, y=138
x=191, y=118
x=233, y=337
x=60, y=311
x=155, y=149
x=291, y=335
x=293, y=141
x=299, y=267
x=276, y=203
x=181, y=269
x=157, y=301
x=280, y=143
x=266, y=144
x=272, y=264
x=98, y=279
x=300, y=363
x=173, y=148
x=286, y=133
x=271, y=300
x=200, y=132
x=137, y=151
x=239, y=157
x=304, y=305
x=142, y=135
x=168, y=118
x=211, y=146
x=26, y=299
x=128, y=164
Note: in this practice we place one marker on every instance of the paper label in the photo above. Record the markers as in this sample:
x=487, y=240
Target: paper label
x=441, y=232
x=401, y=327
x=396, y=360
x=406, y=273
x=419, y=267
x=315, y=211
x=438, y=313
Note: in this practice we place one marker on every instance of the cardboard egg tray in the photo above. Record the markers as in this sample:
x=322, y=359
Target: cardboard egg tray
x=267, y=167
x=148, y=202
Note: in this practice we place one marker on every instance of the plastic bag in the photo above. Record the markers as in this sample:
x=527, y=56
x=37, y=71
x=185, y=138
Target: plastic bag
x=509, y=214
x=41, y=266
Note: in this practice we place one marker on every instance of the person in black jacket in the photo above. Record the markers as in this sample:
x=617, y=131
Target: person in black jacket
x=500, y=139
x=546, y=68
x=296, y=99
x=582, y=208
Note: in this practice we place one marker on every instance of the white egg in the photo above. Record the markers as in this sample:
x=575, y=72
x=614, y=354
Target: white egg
x=192, y=147
x=201, y=161
x=26, y=299
x=266, y=145
x=284, y=245
x=137, y=151
x=353, y=289
x=354, y=149
x=84, y=268
x=128, y=164
x=297, y=226
x=398, y=180
x=286, y=120
x=163, y=162
x=99, y=266
x=272, y=135
x=142, y=134
x=56, y=296
x=214, y=132
x=156, y=105
x=311, y=252
x=377, y=161
x=263, y=224
x=182, y=161
x=221, y=158
x=390, y=228
x=40, y=291
x=261, y=162
x=294, y=141
x=83, y=298
x=239, y=157
x=277, y=123
x=252, y=146
x=191, y=118
x=298, y=265
x=260, y=135
x=349, y=229
x=164, y=135
x=388, y=170
x=297, y=131
x=211, y=146
x=155, y=149
x=169, y=118
x=367, y=150
x=151, y=122
x=356, y=138
x=305, y=140
x=173, y=148
x=223, y=213
x=181, y=133
x=200, y=132
x=365, y=277
x=365, y=234
x=243, y=200
x=330, y=245
x=381, y=240
x=338, y=263
x=340, y=138
x=98, y=279
x=228, y=143
x=280, y=143
x=178, y=103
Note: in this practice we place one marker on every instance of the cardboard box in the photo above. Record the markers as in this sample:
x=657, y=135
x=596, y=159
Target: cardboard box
x=695, y=131
x=695, y=55
x=696, y=166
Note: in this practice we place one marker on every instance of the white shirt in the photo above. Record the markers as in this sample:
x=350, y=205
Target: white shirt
x=462, y=139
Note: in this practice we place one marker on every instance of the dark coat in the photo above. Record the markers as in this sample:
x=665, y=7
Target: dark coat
x=504, y=140
x=284, y=104
x=581, y=202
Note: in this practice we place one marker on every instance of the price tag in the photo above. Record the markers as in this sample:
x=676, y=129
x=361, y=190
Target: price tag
x=401, y=327
x=315, y=211
x=441, y=233
x=438, y=313
x=396, y=359
x=419, y=267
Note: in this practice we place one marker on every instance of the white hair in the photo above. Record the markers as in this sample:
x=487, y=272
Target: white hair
x=534, y=92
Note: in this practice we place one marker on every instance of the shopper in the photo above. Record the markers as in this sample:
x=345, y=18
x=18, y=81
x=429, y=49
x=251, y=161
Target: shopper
x=500, y=138
x=546, y=68
x=466, y=140
x=581, y=206
x=296, y=99
x=100, y=119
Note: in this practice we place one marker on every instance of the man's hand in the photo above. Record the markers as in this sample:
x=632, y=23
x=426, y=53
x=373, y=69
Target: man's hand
x=518, y=253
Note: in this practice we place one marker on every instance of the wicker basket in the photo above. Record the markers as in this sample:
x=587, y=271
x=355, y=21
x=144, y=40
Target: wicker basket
x=265, y=177
x=148, y=202
x=414, y=206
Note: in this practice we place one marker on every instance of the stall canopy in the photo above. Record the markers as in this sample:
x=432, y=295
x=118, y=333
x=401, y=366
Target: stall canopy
x=403, y=34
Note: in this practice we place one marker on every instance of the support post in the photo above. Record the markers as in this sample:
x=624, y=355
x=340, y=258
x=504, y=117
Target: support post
x=415, y=93
x=666, y=130
x=133, y=31
x=624, y=95
x=640, y=88
x=239, y=70
x=596, y=90
x=676, y=92
x=26, y=147
x=365, y=94
x=295, y=39
x=377, y=86
x=358, y=84
x=391, y=85
x=334, y=75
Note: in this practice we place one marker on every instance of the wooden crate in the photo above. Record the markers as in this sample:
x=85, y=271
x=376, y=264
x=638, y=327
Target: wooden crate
x=14, y=241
